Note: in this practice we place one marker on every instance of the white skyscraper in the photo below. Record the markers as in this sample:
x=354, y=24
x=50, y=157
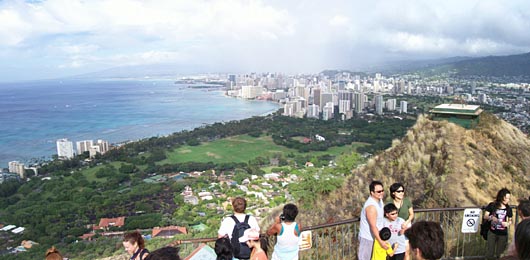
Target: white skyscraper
x=250, y=92
x=84, y=146
x=379, y=104
x=344, y=106
x=359, y=102
x=313, y=111
x=327, y=111
x=65, y=149
x=391, y=104
x=103, y=146
x=403, y=107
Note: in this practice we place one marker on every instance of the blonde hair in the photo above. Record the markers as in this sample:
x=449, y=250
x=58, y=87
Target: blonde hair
x=53, y=254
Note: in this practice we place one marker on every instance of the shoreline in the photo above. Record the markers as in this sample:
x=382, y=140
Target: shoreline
x=157, y=129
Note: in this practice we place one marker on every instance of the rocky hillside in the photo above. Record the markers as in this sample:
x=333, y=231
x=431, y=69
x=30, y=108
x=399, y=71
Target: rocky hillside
x=441, y=165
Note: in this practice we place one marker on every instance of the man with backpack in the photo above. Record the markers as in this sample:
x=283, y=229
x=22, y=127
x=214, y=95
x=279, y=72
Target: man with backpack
x=235, y=225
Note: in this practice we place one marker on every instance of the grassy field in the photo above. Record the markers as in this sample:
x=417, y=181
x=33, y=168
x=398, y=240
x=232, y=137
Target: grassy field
x=239, y=149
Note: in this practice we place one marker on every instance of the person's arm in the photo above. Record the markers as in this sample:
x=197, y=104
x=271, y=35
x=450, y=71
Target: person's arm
x=488, y=213
x=508, y=221
x=411, y=215
x=276, y=227
x=299, y=229
x=371, y=217
x=222, y=229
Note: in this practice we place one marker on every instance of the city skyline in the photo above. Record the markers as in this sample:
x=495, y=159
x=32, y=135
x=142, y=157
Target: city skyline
x=55, y=38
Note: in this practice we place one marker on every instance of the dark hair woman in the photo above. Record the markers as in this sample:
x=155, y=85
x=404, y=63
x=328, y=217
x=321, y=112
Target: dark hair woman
x=404, y=208
x=500, y=214
x=223, y=249
x=134, y=245
x=287, y=231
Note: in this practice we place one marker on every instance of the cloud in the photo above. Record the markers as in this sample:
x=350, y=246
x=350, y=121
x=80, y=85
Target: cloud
x=243, y=35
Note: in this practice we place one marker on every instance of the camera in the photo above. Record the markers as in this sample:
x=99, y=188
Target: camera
x=282, y=217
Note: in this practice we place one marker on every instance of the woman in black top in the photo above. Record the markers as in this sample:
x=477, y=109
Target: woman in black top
x=135, y=246
x=500, y=214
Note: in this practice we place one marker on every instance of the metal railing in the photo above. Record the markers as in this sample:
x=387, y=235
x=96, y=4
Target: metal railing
x=338, y=240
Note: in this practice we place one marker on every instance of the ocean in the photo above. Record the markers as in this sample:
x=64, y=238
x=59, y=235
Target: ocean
x=33, y=115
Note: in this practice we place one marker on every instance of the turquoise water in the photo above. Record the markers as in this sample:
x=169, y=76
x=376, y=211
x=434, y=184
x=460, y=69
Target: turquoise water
x=33, y=115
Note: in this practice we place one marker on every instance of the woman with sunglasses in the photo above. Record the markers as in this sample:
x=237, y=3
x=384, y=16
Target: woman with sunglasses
x=404, y=207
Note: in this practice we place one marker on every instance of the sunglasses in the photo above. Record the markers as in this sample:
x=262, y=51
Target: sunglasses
x=379, y=191
x=392, y=214
x=400, y=191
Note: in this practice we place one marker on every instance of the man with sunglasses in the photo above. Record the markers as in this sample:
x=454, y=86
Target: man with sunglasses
x=372, y=216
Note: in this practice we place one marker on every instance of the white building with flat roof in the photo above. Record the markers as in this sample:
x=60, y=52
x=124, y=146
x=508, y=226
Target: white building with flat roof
x=84, y=146
x=403, y=107
x=17, y=167
x=65, y=149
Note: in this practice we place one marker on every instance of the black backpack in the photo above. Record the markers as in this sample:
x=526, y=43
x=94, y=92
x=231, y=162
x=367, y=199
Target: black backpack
x=486, y=225
x=240, y=250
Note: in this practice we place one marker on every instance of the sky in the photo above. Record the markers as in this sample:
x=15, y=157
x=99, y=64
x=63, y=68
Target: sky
x=57, y=38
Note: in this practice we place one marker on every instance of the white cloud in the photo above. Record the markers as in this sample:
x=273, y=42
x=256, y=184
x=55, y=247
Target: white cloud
x=339, y=20
x=272, y=35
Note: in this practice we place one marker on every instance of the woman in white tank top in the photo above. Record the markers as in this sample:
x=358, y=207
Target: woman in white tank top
x=288, y=233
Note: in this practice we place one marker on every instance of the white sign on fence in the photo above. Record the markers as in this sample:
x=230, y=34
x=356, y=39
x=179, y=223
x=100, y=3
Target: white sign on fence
x=471, y=220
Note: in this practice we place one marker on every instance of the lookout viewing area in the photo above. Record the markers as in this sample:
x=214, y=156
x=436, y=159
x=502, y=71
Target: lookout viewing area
x=339, y=240
x=464, y=115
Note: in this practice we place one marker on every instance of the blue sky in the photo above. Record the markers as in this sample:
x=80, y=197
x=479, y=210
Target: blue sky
x=55, y=38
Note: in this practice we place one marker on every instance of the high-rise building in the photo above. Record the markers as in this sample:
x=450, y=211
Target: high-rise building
x=346, y=95
x=65, y=149
x=316, y=97
x=313, y=111
x=359, y=102
x=17, y=167
x=84, y=146
x=344, y=106
x=327, y=111
x=103, y=146
x=390, y=104
x=379, y=104
x=250, y=92
x=325, y=98
x=403, y=107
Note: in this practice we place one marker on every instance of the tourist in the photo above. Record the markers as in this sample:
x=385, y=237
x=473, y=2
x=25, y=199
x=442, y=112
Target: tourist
x=257, y=243
x=395, y=225
x=164, y=253
x=53, y=254
x=134, y=245
x=371, y=221
x=500, y=215
x=288, y=233
x=223, y=249
x=228, y=224
x=524, y=211
x=522, y=239
x=426, y=239
x=404, y=207
x=378, y=253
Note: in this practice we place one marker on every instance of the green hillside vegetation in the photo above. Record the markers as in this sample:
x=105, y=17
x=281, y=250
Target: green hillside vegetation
x=441, y=165
x=57, y=211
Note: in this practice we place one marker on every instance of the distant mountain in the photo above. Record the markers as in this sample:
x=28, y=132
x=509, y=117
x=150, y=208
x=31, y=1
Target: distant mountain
x=413, y=65
x=497, y=66
x=490, y=66
x=441, y=165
